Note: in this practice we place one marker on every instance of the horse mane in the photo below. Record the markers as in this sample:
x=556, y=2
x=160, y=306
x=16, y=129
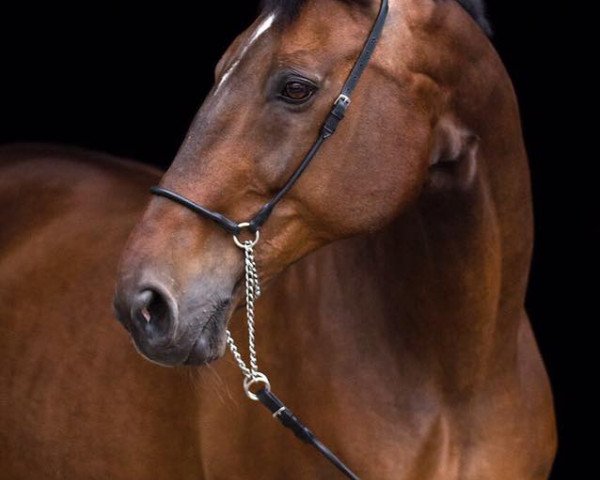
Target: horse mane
x=477, y=9
x=290, y=8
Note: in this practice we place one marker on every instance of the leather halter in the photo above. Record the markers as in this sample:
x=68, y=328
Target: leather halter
x=328, y=128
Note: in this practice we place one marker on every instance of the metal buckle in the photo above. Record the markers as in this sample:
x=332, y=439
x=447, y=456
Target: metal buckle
x=343, y=98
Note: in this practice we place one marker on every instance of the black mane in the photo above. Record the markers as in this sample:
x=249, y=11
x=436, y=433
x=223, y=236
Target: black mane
x=290, y=8
x=476, y=8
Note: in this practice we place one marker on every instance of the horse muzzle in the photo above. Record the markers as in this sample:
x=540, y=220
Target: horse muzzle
x=170, y=334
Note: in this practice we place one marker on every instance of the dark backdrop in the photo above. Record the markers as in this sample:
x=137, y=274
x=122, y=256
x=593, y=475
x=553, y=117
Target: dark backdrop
x=127, y=79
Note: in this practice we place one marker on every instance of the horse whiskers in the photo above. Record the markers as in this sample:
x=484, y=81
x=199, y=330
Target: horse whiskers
x=216, y=382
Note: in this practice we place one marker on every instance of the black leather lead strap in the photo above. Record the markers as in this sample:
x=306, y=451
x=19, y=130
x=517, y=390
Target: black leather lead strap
x=335, y=116
x=289, y=420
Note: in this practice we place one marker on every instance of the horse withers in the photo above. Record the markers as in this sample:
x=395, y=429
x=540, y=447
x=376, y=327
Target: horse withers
x=394, y=271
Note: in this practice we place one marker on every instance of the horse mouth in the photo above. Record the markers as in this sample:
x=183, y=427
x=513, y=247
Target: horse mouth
x=211, y=342
x=199, y=356
x=194, y=359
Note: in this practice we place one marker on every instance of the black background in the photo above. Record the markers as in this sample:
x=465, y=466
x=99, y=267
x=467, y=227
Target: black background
x=127, y=79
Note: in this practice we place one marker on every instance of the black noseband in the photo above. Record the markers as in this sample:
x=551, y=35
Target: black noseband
x=329, y=127
x=222, y=220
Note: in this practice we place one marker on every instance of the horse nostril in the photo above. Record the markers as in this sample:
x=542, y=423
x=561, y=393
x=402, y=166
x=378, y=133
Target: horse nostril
x=152, y=313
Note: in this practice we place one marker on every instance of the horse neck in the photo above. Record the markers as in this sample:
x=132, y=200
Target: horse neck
x=438, y=293
x=379, y=299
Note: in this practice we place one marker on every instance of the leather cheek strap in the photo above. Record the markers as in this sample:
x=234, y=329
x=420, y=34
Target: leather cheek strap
x=330, y=125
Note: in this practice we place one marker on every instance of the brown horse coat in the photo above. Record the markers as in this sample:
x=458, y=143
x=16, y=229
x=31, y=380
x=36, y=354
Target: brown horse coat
x=401, y=340
x=76, y=401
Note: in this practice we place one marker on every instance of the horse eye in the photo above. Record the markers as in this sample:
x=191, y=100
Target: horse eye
x=297, y=92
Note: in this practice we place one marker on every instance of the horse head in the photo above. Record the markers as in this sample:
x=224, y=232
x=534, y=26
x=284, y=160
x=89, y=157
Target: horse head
x=407, y=130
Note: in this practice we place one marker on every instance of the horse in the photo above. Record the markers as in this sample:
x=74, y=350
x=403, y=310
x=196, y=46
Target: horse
x=394, y=272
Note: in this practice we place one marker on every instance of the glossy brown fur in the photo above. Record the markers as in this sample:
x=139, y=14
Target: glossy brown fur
x=76, y=401
x=401, y=339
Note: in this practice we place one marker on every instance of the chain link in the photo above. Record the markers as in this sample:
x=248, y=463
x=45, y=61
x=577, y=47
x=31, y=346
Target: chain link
x=252, y=293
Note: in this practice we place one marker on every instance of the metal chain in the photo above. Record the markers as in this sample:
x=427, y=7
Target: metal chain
x=252, y=293
x=252, y=376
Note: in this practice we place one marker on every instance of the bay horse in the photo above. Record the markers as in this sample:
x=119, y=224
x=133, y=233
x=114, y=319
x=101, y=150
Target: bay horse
x=392, y=318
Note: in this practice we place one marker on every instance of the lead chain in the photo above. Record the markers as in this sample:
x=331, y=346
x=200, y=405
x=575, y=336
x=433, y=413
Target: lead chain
x=252, y=293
